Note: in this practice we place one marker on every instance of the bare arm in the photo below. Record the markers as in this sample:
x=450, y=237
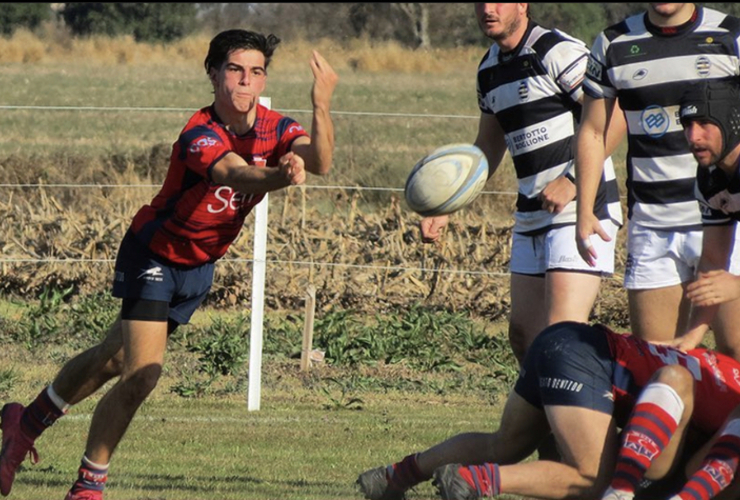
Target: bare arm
x=491, y=141
x=233, y=171
x=591, y=151
x=318, y=151
x=714, y=284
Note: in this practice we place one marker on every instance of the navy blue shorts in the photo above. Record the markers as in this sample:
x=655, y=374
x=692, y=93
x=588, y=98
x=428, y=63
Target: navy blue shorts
x=568, y=364
x=141, y=274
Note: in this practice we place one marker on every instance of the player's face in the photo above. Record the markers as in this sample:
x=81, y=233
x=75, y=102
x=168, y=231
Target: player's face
x=705, y=141
x=667, y=11
x=241, y=80
x=500, y=20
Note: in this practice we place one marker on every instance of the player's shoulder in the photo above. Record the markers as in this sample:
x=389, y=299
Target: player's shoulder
x=627, y=26
x=711, y=18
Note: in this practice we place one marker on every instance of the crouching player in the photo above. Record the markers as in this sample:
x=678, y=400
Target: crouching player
x=579, y=382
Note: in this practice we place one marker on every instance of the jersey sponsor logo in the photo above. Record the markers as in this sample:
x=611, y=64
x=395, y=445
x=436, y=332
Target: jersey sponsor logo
x=228, y=200
x=703, y=65
x=736, y=376
x=202, y=143
x=719, y=377
x=655, y=121
x=152, y=274
x=523, y=91
x=525, y=140
x=295, y=128
x=640, y=74
x=593, y=69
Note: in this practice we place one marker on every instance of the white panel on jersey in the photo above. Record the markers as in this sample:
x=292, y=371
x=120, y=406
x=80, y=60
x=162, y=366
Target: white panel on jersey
x=664, y=215
x=666, y=168
x=529, y=186
x=540, y=135
x=654, y=121
x=673, y=69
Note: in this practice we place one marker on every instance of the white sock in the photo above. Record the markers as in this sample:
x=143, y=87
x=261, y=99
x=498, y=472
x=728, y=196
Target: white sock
x=58, y=401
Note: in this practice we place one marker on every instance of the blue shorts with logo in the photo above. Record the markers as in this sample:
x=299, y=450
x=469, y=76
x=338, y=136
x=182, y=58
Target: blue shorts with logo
x=141, y=274
x=568, y=364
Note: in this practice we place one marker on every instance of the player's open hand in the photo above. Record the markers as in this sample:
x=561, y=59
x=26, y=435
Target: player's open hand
x=324, y=81
x=557, y=194
x=689, y=340
x=431, y=227
x=586, y=227
x=292, y=168
x=713, y=287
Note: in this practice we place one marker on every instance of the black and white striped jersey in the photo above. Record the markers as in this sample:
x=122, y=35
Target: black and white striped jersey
x=718, y=195
x=534, y=91
x=648, y=69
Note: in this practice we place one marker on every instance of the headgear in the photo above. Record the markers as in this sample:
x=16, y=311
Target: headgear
x=716, y=101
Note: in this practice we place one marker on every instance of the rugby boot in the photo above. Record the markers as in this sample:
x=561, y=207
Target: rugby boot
x=612, y=494
x=84, y=494
x=16, y=445
x=460, y=482
x=374, y=485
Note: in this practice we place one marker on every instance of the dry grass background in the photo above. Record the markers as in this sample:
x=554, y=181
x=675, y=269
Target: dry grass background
x=361, y=249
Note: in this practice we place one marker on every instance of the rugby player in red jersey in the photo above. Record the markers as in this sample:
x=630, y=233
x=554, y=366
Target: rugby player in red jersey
x=226, y=158
x=581, y=383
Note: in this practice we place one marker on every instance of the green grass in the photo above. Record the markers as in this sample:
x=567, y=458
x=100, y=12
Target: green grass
x=291, y=448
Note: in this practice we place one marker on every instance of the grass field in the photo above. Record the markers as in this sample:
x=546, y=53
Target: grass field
x=314, y=433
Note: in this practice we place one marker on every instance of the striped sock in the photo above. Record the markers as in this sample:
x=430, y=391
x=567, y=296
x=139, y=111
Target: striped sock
x=649, y=430
x=90, y=476
x=718, y=468
x=405, y=474
x=41, y=413
x=484, y=478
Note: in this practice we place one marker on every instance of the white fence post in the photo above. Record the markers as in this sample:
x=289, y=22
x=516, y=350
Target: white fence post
x=258, y=297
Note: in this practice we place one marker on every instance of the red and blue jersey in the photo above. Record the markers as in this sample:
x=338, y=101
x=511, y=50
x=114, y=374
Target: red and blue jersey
x=717, y=388
x=193, y=220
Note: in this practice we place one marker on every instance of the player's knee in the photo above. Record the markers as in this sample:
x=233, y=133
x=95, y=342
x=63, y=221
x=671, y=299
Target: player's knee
x=678, y=378
x=141, y=382
x=518, y=341
x=114, y=366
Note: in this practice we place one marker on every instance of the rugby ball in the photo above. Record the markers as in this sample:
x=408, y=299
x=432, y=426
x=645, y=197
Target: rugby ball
x=446, y=180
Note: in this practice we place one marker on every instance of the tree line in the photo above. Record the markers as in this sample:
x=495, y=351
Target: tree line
x=413, y=25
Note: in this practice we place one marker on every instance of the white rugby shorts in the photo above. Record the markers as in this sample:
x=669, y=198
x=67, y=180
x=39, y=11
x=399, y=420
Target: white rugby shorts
x=556, y=249
x=658, y=258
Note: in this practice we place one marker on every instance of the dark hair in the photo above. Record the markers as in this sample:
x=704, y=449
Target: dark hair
x=716, y=101
x=228, y=41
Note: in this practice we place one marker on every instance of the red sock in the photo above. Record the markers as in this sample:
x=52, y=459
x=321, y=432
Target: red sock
x=405, y=474
x=653, y=422
x=39, y=415
x=484, y=478
x=719, y=467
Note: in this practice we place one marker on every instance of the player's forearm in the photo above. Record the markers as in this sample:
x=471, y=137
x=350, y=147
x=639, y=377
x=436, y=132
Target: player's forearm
x=249, y=179
x=321, y=151
x=589, y=170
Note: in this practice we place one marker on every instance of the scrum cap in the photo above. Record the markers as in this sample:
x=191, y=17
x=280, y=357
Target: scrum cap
x=717, y=102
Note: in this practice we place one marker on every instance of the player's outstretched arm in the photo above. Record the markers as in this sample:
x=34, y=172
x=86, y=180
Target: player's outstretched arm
x=233, y=171
x=319, y=152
